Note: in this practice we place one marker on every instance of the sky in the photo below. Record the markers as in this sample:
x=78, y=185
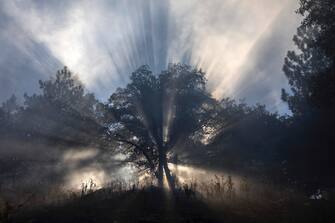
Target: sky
x=240, y=44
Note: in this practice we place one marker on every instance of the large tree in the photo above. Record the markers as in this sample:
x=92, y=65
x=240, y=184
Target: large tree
x=311, y=69
x=63, y=111
x=311, y=74
x=321, y=14
x=242, y=138
x=302, y=69
x=149, y=116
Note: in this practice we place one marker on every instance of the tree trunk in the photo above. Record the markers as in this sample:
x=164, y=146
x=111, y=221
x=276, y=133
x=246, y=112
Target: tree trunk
x=160, y=171
x=164, y=168
x=169, y=177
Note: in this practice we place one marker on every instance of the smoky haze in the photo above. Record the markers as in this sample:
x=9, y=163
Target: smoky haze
x=104, y=41
x=167, y=111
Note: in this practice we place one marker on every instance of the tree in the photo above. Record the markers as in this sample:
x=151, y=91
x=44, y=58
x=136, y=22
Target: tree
x=302, y=69
x=8, y=113
x=244, y=136
x=321, y=14
x=152, y=113
x=311, y=75
x=63, y=111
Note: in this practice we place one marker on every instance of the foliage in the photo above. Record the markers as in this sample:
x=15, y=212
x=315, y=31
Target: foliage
x=63, y=111
x=311, y=74
x=302, y=69
x=152, y=113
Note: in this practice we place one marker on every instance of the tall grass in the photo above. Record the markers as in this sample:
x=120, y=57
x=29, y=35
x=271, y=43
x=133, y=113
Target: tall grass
x=241, y=197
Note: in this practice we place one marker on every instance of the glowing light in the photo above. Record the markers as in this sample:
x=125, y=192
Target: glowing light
x=77, y=178
x=75, y=155
x=201, y=176
x=105, y=41
x=82, y=167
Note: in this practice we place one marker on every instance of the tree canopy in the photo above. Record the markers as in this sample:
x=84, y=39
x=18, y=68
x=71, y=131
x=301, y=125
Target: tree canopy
x=311, y=76
x=63, y=111
x=152, y=113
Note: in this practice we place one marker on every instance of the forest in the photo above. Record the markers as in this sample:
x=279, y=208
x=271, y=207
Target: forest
x=163, y=149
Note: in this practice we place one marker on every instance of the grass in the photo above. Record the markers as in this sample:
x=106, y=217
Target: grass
x=218, y=200
x=147, y=205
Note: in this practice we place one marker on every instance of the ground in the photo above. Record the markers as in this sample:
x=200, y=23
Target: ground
x=155, y=205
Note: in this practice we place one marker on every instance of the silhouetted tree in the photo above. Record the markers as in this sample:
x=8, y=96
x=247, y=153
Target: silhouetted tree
x=8, y=115
x=239, y=137
x=63, y=111
x=302, y=69
x=311, y=75
x=152, y=113
x=320, y=14
x=311, y=72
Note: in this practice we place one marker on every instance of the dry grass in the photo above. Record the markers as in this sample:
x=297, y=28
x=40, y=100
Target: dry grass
x=233, y=201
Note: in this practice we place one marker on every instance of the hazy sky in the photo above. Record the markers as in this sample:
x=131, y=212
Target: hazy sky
x=240, y=44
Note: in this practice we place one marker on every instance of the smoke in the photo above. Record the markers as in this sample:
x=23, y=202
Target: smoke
x=238, y=43
x=38, y=167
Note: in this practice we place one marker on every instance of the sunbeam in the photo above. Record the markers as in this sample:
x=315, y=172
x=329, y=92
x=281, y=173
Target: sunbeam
x=167, y=111
x=105, y=41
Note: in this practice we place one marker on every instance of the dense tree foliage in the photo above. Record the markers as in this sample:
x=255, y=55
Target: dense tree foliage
x=152, y=113
x=310, y=71
x=62, y=112
x=302, y=69
x=320, y=14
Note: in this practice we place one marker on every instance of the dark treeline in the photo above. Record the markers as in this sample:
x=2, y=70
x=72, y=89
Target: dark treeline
x=171, y=117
